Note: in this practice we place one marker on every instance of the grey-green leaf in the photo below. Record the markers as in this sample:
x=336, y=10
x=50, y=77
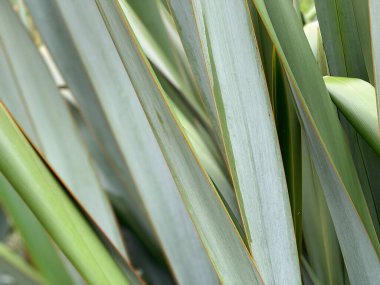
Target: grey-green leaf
x=227, y=252
x=330, y=153
x=139, y=150
x=31, y=94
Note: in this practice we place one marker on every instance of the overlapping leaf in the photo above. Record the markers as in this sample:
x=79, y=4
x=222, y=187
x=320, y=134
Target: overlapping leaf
x=44, y=195
x=223, y=245
x=225, y=45
x=139, y=150
x=47, y=261
x=29, y=91
x=330, y=153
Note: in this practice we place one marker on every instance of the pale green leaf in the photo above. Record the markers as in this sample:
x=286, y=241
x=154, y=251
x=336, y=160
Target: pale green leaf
x=356, y=99
x=13, y=270
x=44, y=195
x=374, y=16
x=46, y=261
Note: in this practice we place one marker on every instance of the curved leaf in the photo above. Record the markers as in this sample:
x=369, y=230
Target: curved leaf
x=374, y=16
x=356, y=99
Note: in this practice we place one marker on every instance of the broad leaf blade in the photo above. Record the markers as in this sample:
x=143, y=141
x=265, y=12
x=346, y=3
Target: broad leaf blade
x=244, y=113
x=223, y=245
x=41, y=191
x=46, y=261
x=87, y=82
x=48, y=118
x=139, y=150
x=329, y=149
x=356, y=99
x=341, y=39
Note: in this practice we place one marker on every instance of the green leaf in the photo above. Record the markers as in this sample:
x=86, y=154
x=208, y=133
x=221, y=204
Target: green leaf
x=246, y=119
x=89, y=84
x=374, y=16
x=330, y=153
x=320, y=238
x=13, y=270
x=356, y=99
x=155, y=32
x=31, y=94
x=289, y=134
x=44, y=195
x=341, y=38
x=361, y=12
x=188, y=17
x=345, y=58
x=46, y=261
x=227, y=253
x=139, y=149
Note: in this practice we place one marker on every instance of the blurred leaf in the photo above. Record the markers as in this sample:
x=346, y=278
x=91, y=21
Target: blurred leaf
x=223, y=244
x=138, y=147
x=86, y=83
x=30, y=92
x=46, y=261
x=13, y=270
x=328, y=146
x=374, y=16
x=310, y=278
x=151, y=271
x=44, y=195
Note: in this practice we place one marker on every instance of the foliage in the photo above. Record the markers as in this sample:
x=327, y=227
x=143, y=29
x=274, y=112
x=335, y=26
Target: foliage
x=189, y=142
